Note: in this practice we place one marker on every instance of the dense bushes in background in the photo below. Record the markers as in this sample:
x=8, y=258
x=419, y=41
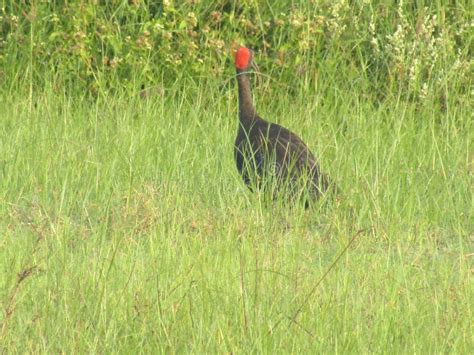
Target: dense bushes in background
x=412, y=49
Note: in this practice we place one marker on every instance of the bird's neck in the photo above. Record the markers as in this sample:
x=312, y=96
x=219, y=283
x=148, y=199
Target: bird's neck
x=247, y=113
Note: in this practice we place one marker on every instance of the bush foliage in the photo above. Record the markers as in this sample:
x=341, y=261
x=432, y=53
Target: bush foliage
x=410, y=49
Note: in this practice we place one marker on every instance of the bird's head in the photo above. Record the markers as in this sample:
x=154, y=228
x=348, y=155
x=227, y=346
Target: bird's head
x=243, y=59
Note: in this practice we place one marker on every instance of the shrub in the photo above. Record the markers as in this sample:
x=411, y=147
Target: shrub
x=406, y=50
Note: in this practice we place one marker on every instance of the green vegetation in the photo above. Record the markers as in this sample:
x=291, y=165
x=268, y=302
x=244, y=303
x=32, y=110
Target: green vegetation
x=125, y=227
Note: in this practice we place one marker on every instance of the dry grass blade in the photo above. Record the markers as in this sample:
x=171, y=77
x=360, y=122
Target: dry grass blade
x=293, y=318
x=10, y=307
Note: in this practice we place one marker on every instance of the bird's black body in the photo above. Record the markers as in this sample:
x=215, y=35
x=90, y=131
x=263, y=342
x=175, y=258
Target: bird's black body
x=268, y=154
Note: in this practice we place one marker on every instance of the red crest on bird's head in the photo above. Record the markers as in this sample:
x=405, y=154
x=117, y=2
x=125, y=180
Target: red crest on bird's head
x=243, y=58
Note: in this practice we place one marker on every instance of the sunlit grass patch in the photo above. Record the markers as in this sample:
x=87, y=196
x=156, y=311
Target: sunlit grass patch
x=125, y=226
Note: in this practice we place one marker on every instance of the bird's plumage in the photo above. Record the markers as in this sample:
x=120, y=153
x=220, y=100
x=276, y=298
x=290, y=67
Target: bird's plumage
x=267, y=153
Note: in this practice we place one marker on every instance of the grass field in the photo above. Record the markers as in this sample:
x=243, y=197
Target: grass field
x=126, y=228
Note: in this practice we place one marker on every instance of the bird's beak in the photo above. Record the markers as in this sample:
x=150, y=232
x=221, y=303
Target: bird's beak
x=255, y=67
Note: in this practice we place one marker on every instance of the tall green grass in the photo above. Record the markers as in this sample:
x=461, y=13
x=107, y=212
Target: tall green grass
x=125, y=226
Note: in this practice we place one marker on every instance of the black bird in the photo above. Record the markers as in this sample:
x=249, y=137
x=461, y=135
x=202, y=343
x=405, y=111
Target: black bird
x=268, y=156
